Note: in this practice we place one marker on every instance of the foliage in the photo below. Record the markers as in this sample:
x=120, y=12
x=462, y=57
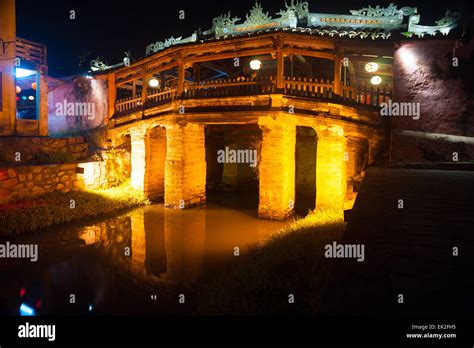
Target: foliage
x=55, y=208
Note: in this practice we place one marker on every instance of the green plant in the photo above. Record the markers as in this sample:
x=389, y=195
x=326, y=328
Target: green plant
x=55, y=208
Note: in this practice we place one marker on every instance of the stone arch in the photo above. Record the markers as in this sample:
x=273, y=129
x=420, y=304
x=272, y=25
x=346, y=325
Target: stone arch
x=305, y=163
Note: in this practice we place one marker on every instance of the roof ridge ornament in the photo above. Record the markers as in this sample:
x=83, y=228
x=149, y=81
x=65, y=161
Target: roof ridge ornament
x=160, y=45
x=300, y=9
x=98, y=65
x=257, y=15
x=377, y=11
x=443, y=25
x=220, y=23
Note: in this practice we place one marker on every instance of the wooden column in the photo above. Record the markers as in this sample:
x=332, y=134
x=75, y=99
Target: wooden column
x=145, y=81
x=337, y=72
x=280, y=73
x=112, y=94
x=42, y=100
x=7, y=67
x=197, y=72
x=181, y=72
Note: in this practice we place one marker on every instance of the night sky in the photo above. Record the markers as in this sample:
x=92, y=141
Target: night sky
x=108, y=28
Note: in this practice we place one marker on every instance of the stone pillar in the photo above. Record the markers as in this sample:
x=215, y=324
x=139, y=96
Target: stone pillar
x=148, y=161
x=138, y=157
x=185, y=172
x=331, y=170
x=277, y=171
x=7, y=67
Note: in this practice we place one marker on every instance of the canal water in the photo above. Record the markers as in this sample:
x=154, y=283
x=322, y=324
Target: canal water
x=138, y=262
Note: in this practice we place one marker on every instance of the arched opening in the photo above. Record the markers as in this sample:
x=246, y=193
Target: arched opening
x=154, y=187
x=305, y=166
x=232, y=154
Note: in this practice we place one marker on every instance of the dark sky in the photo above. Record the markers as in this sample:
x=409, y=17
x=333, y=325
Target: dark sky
x=107, y=28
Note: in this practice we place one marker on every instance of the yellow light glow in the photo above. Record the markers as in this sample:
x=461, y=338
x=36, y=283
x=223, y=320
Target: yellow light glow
x=371, y=67
x=255, y=64
x=376, y=80
x=154, y=83
x=18, y=89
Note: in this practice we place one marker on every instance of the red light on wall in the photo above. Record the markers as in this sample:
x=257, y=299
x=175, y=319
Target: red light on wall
x=22, y=292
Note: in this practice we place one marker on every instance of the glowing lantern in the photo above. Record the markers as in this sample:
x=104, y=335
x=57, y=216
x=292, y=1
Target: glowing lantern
x=154, y=83
x=371, y=67
x=376, y=80
x=33, y=85
x=255, y=64
x=18, y=89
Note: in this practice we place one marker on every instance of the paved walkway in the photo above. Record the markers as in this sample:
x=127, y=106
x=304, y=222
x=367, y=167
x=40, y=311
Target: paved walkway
x=409, y=251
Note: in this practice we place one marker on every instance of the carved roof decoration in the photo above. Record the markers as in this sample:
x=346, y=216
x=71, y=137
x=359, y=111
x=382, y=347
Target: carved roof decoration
x=368, y=22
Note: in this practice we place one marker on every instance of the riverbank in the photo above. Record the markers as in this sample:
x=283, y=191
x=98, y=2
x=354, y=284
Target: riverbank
x=289, y=263
x=62, y=207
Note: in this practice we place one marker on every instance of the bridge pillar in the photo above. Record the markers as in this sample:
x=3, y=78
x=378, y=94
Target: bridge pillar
x=185, y=172
x=331, y=171
x=148, y=161
x=277, y=170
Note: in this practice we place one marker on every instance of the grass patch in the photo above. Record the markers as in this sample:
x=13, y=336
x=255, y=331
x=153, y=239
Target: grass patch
x=55, y=208
x=291, y=262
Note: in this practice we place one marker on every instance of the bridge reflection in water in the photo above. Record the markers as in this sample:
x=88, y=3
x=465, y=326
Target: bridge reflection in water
x=169, y=252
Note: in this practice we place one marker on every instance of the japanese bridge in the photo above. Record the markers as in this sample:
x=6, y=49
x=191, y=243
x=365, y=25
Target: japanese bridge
x=303, y=88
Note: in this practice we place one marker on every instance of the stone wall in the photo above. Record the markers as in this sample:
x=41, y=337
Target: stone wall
x=30, y=181
x=424, y=74
x=31, y=146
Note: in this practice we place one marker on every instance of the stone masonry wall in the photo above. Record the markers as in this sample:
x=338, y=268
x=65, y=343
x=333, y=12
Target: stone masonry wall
x=30, y=181
x=29, y=146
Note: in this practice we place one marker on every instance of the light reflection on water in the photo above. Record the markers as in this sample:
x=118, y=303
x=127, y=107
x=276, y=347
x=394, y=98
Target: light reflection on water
x=170, y=251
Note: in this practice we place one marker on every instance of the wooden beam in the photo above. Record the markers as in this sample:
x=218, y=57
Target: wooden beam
x=162, y=68
x=128, y=79
x=254, y=52
x=307, y=53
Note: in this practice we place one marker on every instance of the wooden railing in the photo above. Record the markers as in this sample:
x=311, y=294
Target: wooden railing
x=127, y=105
x=160, y=97
x=247, y=86
x=31, y=51
x=308, y=87
x=238, y=86
x=367, y=95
